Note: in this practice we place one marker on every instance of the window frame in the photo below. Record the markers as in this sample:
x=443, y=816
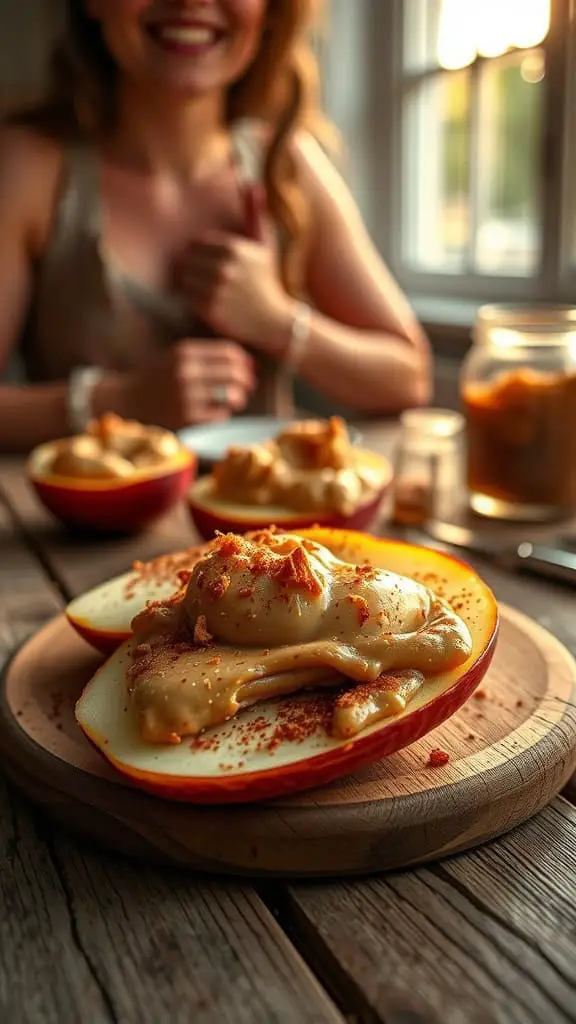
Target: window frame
x=555, y=277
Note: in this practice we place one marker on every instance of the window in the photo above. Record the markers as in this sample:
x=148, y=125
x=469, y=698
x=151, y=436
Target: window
x=476, y=102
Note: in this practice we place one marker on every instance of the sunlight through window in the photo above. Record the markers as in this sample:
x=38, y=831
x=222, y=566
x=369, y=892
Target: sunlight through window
x=468, y=29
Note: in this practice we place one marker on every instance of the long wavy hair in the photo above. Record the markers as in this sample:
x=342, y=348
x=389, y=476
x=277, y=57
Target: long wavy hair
x=281, y=86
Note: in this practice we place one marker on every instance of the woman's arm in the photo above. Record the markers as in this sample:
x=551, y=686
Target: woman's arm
x=29, y=170
x=173, y=389
x=365, y=348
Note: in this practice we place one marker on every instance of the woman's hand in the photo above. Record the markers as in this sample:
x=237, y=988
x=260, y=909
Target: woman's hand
x=233, y=284
x=192, y=382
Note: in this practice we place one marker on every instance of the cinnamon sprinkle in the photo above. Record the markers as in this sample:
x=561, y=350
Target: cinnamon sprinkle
x=229, y=544
x=296, y=571
x=217, y=588
x=364, y=572
x=297, y=721
x=438, y=758
x=164, y=569
x=361, y=604
x=363, y=693
x=201, y=635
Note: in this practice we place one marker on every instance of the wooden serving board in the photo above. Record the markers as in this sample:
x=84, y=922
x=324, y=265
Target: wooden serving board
x=512, y=748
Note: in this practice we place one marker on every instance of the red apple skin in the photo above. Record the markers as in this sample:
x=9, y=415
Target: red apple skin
x=125, y=508
x=106, y=643
x=208, y=519
x=208, y=522
x=322, y=769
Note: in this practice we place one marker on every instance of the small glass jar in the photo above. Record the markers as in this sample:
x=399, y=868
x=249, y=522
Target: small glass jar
x=428, y=472
x=518, y=392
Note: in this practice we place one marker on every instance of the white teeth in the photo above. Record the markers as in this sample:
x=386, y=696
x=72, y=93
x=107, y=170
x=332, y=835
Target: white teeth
x=188, y=36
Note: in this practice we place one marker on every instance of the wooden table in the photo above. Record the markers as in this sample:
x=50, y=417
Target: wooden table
x=87, y=936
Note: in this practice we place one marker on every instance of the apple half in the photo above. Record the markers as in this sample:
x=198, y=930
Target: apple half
x=253, y=757
x=102, y=616
x=211, y=513
x=123, y=505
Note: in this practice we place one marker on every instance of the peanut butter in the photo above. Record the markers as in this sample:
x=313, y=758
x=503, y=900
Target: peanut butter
x=277, y=614
x=522, y=438
x=112, y=448
x=309, y=466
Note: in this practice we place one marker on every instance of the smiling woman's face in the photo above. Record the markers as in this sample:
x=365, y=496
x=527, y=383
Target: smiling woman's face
x=191, y=46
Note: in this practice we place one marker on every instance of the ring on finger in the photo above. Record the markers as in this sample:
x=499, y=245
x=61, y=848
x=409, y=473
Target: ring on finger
x=220, y=394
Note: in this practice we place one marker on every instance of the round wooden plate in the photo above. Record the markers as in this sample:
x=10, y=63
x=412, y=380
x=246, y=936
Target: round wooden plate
x=512, y=748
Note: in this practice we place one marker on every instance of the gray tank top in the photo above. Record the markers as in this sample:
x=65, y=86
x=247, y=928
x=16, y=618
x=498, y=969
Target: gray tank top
x=87, y=311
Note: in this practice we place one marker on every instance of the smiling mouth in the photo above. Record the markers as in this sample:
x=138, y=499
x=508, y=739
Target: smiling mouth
x=186, y=39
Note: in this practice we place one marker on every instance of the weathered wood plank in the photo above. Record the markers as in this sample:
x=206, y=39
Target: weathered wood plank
x=27, y=599
x=87, y=936
x=90, y=937
x=44, y=973
x=486, y=937
x=167, y=947
x=569, y=792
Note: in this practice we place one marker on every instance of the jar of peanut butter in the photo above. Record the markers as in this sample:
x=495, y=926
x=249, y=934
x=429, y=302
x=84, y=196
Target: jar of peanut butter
x=518, y=392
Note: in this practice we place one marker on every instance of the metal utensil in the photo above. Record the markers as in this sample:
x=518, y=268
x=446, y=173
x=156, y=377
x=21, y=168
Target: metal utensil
x=527, y=556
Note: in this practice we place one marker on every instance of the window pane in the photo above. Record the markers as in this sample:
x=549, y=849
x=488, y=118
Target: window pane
x=421, y=24
x=508, y=164
x=436, y=173
x=451, y=33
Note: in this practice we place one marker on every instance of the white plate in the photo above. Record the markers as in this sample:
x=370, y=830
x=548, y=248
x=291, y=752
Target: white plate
x=211, y=442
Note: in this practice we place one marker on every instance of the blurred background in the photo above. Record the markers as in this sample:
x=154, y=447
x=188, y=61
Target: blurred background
x=456, y=120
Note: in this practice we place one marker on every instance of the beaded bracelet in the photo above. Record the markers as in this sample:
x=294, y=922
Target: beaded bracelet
x=81, y=384
x=299, y=334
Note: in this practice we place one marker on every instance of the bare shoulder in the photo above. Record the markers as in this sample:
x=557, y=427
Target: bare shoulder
x=30, y=170
x=320, y=177
x=24, y=151
x=318, y=173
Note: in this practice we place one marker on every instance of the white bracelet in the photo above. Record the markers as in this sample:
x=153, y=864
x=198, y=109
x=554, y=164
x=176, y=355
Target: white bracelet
x=81, y=384
x=299, y=334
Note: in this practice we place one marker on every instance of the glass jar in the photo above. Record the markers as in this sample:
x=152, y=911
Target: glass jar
x=428, y=471
x=518, y=392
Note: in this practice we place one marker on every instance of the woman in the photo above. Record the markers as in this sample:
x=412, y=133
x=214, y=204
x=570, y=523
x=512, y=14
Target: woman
x=162, y=215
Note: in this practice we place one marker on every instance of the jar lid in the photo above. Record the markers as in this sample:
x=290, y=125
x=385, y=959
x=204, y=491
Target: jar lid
x=526, y=316
x=524, y=324
x=432, y=423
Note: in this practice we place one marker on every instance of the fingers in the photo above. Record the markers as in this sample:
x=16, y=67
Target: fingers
x=212, y=348
x=216, y=254
x=221, y=375
x=229, y=395
x=208, y=252
x=206, y=270
x=213, y=379
x=213, y=403
x=195, y=356
x=216, y=373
